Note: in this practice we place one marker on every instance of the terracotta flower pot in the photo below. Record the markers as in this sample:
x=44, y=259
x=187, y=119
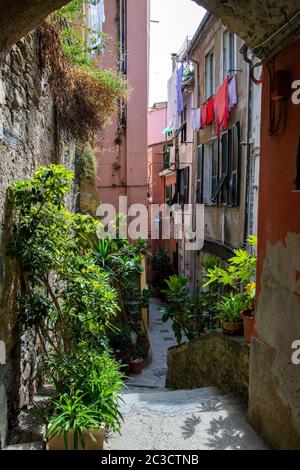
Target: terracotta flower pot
x=249, y=324
x=58, y=442
x=233, y=328
x=137, y=365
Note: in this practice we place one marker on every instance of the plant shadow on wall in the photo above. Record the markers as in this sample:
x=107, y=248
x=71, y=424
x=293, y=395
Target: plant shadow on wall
x=226, y=298
x=70, y=302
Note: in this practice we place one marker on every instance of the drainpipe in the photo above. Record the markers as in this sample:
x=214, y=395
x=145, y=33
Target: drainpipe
x=244, y=52
x=197, y=143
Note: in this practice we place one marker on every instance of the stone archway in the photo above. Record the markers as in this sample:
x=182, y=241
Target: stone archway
x=19, y=17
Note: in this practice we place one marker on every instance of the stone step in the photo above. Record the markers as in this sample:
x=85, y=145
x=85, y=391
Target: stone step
x=196, y=419
x=27, y=446
x=179, y=401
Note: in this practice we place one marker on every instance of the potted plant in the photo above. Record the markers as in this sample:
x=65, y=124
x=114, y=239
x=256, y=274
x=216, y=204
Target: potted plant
x=74, y=425
x=248, y=312
x=143, y=339
x=137, y=362
x=230, y=308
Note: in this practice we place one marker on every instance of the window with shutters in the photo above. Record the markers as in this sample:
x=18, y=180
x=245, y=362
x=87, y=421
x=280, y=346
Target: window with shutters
x=215, y=171
x=207, y=169
x=234, y=166
x=224, y=166
x=209, y=75
x=184, y=176
x=169, y=195
x=200, y=152
x=229, y=53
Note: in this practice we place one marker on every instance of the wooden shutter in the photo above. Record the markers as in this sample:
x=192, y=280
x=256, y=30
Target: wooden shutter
x=214, y=169
x=186, y=178
x=200, y=155
x=225, y=142
x=206, y=175
x=235, y=164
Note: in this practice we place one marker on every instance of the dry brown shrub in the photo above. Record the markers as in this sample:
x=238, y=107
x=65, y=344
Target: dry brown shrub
x=85, y=96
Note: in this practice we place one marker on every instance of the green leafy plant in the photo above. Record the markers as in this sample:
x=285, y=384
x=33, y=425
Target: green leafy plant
x=161, y=267
x=231, y=307
x=203, y=311
x=66, y=296
x=85, y=163
x=71, y=414
x=241, y=270
x=145, y=297
x=177, y=310
x=140, y=351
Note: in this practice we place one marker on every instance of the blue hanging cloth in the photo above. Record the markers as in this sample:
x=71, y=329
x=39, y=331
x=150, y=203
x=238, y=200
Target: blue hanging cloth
x=179, y=89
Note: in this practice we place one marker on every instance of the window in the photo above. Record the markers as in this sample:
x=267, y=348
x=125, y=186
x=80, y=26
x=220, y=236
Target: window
x=298, y=168
x=166, y=156
x=215, y=170
x=228, y=53
x=207, y=168
x=169, y=195
x=221, y=168
x=224, y=149
x=234, y=165
x=184, y=178
x=209, y=75
x=200, y=153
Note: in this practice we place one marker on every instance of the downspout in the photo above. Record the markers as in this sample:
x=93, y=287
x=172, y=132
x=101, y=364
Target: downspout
x=244, y=52
x=196, y=144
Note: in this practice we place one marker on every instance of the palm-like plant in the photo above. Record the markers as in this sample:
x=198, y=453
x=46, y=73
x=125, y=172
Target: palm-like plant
x=72, y=414
x=230, y=308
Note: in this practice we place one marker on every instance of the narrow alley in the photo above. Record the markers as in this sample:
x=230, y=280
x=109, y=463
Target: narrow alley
x=149, y=228
x=159, y=419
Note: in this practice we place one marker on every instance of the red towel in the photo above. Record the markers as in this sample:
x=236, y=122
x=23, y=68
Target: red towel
x=208, y=113
x=203, y=116
x=222, y=111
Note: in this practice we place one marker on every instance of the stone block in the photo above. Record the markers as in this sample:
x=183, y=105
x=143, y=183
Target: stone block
x=213, y=360
x=271, y=418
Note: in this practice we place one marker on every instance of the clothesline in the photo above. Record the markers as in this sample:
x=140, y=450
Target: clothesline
x=217, y=108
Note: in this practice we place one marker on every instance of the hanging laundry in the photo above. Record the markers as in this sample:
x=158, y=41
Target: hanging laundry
x=96, y=18
x=203, y=114
x=196, y=119
x=173, y=116
x=221, y=102
x=102, y=12
x=170, y=104
x=179, y=89
x=175, y=100
x=232, y=93
x=210, y=105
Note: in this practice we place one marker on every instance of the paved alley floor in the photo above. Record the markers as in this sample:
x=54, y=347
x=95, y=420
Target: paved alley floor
x=159, y=419
x=161, y=338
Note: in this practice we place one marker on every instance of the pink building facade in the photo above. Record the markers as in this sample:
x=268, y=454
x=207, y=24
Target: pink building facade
x=121, y=147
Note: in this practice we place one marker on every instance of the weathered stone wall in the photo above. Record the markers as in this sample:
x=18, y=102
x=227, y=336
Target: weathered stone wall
x=28, y=137
x=213, y=360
